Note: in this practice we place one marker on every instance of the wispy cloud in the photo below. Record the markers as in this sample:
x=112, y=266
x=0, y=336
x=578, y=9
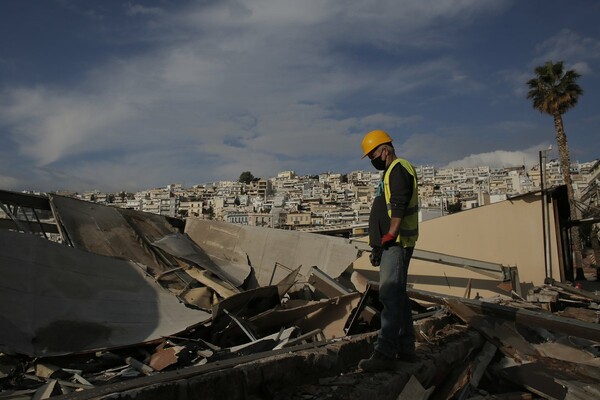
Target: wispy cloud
x=138, y=9
x=570, y=47
x=502, y=158
x=215, y=88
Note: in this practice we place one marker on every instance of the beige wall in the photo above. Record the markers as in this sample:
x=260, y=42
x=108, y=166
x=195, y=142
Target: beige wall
x=509, y=233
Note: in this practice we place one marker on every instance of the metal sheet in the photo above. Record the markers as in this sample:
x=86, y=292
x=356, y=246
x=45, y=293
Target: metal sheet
x=264, y=247
x=24, y=200
x=183, y=247
x=56, y=300
x=103, y=230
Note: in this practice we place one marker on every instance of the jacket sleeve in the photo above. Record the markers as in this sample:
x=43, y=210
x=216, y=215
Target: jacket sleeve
x=401, y=190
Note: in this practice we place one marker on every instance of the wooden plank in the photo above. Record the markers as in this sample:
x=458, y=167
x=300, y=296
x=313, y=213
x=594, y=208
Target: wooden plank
x=470, y=375
x=579, y=292
x=541, y=295
x=224, y=289
x=544, y=377
x=579, y=390
x=413, y=390
x=582, y=314
x=522, y=316
x=481, y=363
x=499, y=331
x=45, y=391
x=468, y=290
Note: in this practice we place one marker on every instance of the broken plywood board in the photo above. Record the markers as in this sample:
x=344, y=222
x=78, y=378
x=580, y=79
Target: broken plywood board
x=565, y=352
x=544, y=377
x=56, y=300
x=181, y=246
x=288, y=282
x=413, y=390
x=241, y=307
x=201, y=297
x=283, y=315
x=469, y=375
x=223, y=288
x=264, y=247
x=499, y=331
x=522, y=316
x=332, y=319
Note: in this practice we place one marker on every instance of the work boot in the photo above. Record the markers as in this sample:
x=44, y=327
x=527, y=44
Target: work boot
x=377, y=362
x=406, y=353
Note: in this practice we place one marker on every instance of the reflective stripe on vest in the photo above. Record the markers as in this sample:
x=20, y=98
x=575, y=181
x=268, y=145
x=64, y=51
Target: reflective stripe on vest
x=409, y=226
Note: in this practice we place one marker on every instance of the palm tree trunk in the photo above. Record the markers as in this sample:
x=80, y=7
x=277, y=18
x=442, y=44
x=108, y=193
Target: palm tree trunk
x=565, y=164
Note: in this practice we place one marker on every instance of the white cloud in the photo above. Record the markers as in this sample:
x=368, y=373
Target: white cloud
x=570, y=47
x=138, y=9
x=501, y=158
x=50, y=125
x=8, y=182
x=582, y=68
x=232, y=86
x=266, y=66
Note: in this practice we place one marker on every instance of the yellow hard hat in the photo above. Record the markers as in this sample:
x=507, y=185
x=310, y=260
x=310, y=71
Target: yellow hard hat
x=374, y=139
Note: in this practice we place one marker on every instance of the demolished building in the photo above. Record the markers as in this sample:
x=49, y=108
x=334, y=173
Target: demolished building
x=147, y=304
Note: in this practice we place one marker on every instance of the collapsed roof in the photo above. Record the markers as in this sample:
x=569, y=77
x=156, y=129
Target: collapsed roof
x=111, y=277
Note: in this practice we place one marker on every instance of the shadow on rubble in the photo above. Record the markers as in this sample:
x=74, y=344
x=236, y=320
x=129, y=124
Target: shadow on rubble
x=100, y=302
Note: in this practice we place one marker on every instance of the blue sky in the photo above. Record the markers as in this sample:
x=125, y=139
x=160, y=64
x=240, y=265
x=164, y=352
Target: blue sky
x=114, y=95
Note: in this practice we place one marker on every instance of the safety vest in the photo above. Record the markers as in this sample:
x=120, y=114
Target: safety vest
x=409, y=226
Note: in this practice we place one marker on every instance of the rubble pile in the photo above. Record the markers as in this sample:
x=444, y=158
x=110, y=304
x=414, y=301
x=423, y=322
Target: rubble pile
x=99, y=302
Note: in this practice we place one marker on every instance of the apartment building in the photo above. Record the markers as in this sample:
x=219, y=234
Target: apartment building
x=260, y=188
x=296, y=219
x=425, y=174
x=190, y=208
x=330, y=198
x=240, y=218
x=260, y=219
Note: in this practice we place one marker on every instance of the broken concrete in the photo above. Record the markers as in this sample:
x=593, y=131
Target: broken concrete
x=253, y=313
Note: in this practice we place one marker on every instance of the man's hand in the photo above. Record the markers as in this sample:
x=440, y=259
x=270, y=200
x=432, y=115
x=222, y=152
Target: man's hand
x=375, y=256
x=388, y=239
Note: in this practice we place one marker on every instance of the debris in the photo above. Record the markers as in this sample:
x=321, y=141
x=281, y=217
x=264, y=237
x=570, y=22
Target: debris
x=130, y=305
x=46, y=391
x=143, y=368
x=415, y=391
x=165, y=357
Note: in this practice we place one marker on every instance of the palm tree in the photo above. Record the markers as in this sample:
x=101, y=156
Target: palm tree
x=554, y=91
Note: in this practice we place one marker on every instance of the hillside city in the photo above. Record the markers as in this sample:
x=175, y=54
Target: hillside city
x=330, y=199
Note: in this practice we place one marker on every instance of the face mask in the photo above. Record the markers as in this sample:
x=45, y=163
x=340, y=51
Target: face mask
x=378, y=163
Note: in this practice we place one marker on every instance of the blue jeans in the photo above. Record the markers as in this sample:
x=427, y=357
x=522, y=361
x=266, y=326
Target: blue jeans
x=396, y=316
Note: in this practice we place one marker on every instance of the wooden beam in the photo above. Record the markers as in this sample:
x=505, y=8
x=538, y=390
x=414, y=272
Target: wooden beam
x=522, y=316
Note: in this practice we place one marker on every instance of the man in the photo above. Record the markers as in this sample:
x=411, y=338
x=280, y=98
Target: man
x=393, y=232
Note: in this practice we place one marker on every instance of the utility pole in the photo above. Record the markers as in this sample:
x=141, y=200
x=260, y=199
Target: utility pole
x=545, y=213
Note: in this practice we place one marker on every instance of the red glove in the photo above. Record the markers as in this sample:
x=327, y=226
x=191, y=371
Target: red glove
x=388, y=239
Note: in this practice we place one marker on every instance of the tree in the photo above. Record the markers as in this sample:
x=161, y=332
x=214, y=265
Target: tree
x=453, y=208
x=246, y=177
x=554, y=91
x=209, y=211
